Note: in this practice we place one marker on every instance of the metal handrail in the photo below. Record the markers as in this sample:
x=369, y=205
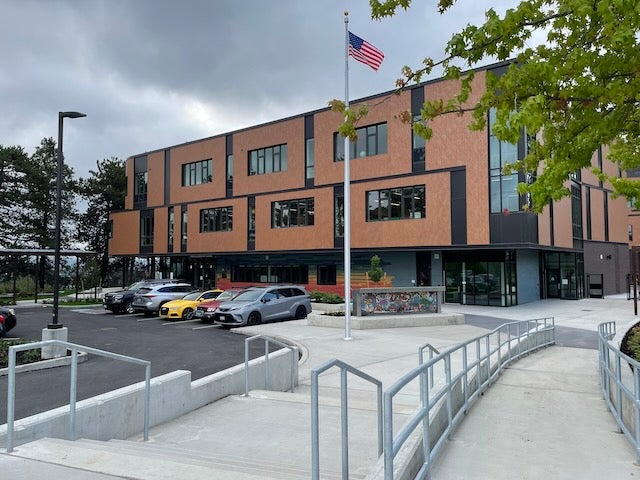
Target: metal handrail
x=267, y=341
x=510, y=341
x=73, y=382
x=432, y=350
x=622, y=400
x=315, y=416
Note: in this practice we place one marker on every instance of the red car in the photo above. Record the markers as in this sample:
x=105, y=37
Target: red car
x=205, y=310
x=7, y=320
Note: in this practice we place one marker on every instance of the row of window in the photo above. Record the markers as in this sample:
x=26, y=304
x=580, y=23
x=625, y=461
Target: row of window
x=282, y=274
x=197, y=173
x=385, y=204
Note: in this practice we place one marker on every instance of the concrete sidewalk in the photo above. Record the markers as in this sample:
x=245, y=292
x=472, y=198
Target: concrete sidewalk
x=543, y=418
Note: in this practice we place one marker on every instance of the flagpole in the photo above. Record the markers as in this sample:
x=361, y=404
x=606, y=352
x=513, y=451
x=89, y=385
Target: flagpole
x=347, y=194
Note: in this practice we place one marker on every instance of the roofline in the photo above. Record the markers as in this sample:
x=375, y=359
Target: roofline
x=311, y=112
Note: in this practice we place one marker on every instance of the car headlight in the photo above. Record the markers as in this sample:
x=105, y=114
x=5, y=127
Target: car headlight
x=211, y=309
x=117, y=297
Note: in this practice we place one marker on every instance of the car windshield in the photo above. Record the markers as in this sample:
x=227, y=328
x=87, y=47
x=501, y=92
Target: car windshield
x=192, y=296
x=249, y=295
x=135, y=286
x=227, y=295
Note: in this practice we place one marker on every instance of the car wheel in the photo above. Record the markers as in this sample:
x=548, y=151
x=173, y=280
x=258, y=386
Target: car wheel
x=254, y=319
x=301, y=312
x=187, y=314
x=128, y=308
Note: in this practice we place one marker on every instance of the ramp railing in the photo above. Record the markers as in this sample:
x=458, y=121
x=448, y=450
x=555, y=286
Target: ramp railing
x=267, y=342
x=468, y=370
x=620, y=383
x=73, y=388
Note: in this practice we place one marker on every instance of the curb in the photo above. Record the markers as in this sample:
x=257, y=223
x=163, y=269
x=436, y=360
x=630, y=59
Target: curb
x=43, y=364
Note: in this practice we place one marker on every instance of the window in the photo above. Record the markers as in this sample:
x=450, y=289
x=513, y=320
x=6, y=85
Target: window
x=140, y=187
x=309, y=159
x=326, y=275
x=268, y=160
x=419, y=148
x=372, y=140
x=576, y=214
x=146, y=230
x=396, y=203
x=292, y=213
x=171, y=226
x=197, y=173
x=338, y=216
x=504, y=188
x=216, y=219
x=270, y=273
x=183, y=227
x=630, y=232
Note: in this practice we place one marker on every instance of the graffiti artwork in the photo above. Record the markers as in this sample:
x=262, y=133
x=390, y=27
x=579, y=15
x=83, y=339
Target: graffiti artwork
x=399, y=302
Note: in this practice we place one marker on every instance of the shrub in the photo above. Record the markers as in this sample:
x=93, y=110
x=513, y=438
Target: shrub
x=27, y=356
x=324, y=297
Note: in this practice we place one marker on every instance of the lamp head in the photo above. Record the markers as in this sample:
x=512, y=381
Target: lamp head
x=71, y=115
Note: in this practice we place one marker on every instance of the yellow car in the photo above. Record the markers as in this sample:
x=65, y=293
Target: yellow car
x=183, y=308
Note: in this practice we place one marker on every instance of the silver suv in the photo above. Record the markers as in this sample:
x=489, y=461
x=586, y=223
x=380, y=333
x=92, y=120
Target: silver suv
x=150, y=298
x=264, y=304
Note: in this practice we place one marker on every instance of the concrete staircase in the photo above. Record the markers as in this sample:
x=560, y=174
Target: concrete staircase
x=263, y=436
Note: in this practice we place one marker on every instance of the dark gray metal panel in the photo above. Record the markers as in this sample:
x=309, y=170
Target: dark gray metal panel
x=458, y=183
x=516, y=227
x=417, y=99
x=308, y=127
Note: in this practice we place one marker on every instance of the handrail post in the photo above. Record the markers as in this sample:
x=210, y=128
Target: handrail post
x=147, y=400
x=11, y=398
x=266, y=364
x=344, y=423
x=315, y=430
x=73, y=387
x=246, y=367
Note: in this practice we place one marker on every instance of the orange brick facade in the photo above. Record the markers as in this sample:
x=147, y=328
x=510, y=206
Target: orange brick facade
x=482, y=257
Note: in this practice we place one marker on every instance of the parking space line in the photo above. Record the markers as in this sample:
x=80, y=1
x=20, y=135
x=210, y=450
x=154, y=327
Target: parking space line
x=205, y=326
x=181, y=322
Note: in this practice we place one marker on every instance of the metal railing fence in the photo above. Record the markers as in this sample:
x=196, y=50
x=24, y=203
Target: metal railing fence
x=267, y=342
x=344, y=420
x=11, y=389
x=477, y=363
x=620, y=388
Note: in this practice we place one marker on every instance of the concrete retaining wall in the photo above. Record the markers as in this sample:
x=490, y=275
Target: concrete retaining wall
x=387, y=321
x=119, y=413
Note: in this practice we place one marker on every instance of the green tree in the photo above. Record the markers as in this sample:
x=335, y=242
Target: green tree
x=36, y=201
x=104, y=191
x=9, y=188
x=573, y=93
x=375, y=272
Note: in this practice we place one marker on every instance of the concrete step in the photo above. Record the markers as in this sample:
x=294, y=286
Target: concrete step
x=149, y=461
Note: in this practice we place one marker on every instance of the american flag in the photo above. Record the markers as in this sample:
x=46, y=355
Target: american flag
x=364, y=52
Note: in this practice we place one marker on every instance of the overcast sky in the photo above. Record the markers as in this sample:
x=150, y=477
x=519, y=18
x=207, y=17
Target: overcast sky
x=155, y=73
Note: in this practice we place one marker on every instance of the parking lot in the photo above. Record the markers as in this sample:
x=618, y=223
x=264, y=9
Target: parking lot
x=191, y=345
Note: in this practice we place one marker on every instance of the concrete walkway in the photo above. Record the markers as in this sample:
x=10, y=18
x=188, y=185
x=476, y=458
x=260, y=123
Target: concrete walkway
x=543, y=418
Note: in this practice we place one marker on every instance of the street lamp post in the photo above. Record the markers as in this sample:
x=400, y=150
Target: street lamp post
x=56, y=268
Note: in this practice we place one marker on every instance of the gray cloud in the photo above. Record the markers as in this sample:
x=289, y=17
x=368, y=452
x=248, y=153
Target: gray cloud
x=153, y=73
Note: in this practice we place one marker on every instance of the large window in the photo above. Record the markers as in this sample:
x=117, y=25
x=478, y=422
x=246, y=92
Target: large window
x=292, y=213
x=270, y=273
x=140, y=187
x=146, y=230
x=372, y=140
x=268, y=160
x=216, y=219
x=504, y=188
x=309, y=159
x=326, y=275
x=197, y=172
x=171, y=227
x=396, y=203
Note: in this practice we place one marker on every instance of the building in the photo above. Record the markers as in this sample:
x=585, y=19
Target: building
x=265, y=204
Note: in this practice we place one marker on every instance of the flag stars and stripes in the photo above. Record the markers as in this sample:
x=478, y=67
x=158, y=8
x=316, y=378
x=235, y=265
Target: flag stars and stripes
x=364, y=52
